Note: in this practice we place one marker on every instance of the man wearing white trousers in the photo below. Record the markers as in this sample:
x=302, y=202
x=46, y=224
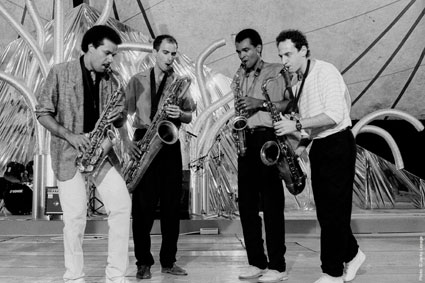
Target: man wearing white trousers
x=69, y=105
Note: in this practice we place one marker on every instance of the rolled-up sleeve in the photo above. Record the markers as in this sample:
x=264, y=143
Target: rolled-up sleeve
x=47, y=97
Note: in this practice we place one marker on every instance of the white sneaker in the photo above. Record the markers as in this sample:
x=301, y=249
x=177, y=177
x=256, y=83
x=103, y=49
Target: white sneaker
x=273, y=276
x=251, y=272
x=353, y=266
x=325, y=278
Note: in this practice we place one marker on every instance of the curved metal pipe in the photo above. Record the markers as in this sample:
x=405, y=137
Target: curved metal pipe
x=194, y=153
x=135, y=46
x=390, y=141
x=44, y=66
x=199, y=68
x=206, y=143
x=103, y=18
x=200, y=121
x=35, y=16
x=199, y=190
x=387, y=112
x=29, y=99
x=201, y=180
x=58, y=30
x=41, y=39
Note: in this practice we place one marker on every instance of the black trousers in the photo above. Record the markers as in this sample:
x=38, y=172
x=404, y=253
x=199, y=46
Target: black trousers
x=162, y=182
x=332, y=174
x=260, y=186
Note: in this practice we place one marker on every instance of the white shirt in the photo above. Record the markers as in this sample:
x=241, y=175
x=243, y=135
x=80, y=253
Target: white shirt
x=325, y=92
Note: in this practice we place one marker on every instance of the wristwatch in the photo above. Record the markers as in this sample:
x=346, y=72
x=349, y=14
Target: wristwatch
x=298, y=125
x=264, y=106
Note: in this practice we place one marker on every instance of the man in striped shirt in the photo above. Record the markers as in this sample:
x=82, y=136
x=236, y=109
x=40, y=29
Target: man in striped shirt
x=324, y=110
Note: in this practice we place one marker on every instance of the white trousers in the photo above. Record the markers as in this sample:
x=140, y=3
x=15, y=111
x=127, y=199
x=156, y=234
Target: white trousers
x=117, y=202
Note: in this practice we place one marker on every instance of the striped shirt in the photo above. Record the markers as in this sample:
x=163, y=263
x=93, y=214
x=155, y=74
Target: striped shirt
x=325, y=92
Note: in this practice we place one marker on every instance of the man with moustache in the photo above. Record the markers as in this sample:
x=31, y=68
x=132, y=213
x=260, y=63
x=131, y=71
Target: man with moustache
x=163, y=179
x=69, y=105
x=259, y=185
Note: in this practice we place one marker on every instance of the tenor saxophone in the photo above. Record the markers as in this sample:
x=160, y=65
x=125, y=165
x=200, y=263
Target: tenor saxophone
x=239, y=122
x=160, y=132
x=102, y=137
x=280, y=152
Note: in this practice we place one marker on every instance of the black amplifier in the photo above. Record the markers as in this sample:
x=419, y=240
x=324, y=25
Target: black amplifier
x=53, y=205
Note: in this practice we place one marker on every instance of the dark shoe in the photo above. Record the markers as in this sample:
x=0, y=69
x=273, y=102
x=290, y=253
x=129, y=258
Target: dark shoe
x=175, y=270
x=144, y=272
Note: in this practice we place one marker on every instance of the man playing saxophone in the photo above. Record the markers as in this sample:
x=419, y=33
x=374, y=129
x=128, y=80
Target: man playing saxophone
x=324, y=108
x=259, y=185
x=69, y=105
x=163, y=178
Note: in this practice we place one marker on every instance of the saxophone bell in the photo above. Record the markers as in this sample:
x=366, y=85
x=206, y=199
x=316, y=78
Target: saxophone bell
x=280, y=152
x=167, y=132
x=270, y=153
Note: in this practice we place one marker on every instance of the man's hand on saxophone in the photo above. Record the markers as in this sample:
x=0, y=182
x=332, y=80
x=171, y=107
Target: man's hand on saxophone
x=249, y=104
x=79, y=141
x=173, y=111
x=131, y=148
x=284, y=126
x=115, y=115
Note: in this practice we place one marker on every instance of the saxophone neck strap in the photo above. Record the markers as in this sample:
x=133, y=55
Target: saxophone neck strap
x=256, y=74
x=299, y=92
x=156, y=95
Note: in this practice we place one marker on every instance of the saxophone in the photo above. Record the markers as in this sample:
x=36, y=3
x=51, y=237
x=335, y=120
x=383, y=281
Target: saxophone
x=280, y=152
x=160, y=132
x=102, y=138
x=239, y=122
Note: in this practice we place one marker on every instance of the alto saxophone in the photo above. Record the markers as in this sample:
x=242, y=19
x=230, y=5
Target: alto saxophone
x=102, y=138
x=160, y=132
x=280, y=152
x=239, y=122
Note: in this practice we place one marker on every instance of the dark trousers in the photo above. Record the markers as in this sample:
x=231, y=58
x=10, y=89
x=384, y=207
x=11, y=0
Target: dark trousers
x=332, y=174
x=162, y=182
x=260, y=186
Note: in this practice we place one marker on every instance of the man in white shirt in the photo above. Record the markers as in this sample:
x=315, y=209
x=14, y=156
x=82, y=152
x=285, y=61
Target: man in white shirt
x=324, y=109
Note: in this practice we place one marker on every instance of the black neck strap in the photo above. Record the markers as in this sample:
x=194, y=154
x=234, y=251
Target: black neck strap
x=297, y=97
x=256, y=74
x=155, y=96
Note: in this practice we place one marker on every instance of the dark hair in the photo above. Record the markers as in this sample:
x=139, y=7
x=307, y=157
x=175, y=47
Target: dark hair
x=253, y=36
x=296, y=36
x=97, y=34
x=159, y=39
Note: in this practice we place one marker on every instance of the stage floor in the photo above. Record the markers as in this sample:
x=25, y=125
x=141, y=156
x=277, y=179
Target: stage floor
x=393, y=240
x=375, y=221
x=391, y=258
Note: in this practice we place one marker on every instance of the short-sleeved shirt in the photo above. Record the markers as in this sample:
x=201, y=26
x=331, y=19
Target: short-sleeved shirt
x=138, y=98
x=275, y=89
x=325, y=92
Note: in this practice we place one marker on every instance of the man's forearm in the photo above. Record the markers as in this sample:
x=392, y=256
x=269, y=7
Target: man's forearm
x=53, y=126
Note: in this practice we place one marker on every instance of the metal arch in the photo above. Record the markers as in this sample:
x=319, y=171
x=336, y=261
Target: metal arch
x=103, y=18
x=387, y=112
x=135, y=46
x=204, y=116
x=398, y=160
x=44, y=66
x=29, y=99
